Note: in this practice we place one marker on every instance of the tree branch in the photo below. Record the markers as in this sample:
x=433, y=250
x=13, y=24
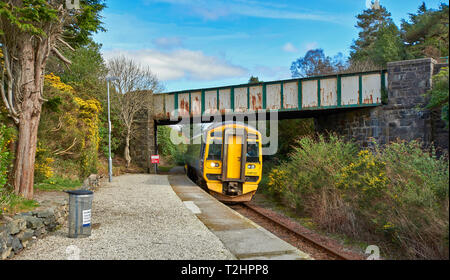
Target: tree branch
x=65, y=44
x=60, y=56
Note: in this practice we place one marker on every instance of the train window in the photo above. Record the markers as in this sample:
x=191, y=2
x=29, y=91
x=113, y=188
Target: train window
x=252, y=136
x=215, y=151
x=252, y=152
x=217, y=134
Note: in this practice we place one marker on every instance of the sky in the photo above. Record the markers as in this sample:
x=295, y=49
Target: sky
x=190, y=44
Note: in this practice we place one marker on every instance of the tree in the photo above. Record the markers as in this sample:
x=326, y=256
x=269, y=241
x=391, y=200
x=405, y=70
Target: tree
x=379, y=38
x=315, y=62
x=426, y=33
x=135, y=86
x=30, y=31
x=387, y=47
x=439, y=94
x=253, y=80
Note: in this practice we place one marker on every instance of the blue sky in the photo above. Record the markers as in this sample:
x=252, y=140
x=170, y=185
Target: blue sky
x=205, y=43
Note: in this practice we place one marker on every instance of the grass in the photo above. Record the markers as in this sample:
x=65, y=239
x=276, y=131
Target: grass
x=11, y=203
x=57, y=184
x=165, y=168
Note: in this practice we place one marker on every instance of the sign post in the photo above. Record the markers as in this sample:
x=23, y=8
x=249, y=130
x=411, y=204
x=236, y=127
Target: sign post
x=155, y=160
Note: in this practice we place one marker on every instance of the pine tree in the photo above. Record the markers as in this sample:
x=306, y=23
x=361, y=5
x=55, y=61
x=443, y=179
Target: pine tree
x=378, y=35
x=426, y=32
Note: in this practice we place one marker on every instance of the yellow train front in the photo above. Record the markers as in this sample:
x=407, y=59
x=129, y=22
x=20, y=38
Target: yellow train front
x=228, y=163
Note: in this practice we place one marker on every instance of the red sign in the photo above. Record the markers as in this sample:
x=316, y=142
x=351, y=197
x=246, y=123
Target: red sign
x=155, y=158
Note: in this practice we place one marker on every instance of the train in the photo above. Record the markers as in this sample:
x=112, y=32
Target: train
x=226, y=160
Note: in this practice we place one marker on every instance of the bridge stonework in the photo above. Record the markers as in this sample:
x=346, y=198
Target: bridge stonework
x=403, y=116
x=143, y=144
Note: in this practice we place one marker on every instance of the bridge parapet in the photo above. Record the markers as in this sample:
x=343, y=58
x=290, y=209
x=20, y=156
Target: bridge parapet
x=403, y=117
x=313, y=93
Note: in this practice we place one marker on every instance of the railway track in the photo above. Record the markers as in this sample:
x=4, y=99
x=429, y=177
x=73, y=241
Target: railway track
x=290, y=234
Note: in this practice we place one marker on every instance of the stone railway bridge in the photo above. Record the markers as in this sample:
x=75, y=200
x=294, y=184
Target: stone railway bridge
x=383, y=105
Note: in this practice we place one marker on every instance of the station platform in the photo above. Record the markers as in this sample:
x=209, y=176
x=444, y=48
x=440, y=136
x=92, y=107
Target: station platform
x=161, y=217
x=242, y=237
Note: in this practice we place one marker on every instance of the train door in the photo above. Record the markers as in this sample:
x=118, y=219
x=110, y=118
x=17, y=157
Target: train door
x=234, y=151
x=234, y=156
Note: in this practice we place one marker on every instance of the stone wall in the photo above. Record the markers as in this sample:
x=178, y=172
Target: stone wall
x=142, y=146
x=402, y=117
x=16, y=233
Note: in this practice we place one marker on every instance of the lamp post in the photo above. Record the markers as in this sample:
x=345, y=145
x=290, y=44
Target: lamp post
x=108, y=79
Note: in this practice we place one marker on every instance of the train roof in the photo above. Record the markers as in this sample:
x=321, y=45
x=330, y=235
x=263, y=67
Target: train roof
x=219, y=124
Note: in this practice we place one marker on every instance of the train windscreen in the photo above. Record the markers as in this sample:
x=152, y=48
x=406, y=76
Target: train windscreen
x=252, y=152
x=215, y=151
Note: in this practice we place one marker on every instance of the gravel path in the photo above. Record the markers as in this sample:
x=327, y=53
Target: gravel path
x=139, y=217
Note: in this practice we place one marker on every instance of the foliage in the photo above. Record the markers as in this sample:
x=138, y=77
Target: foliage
x=253, y=80
x=379, y=38
x=32, y=30
x=43, y=164
x=370, y=22
x=69, y=129
x=86, y=22
x=439, y=94
x=288, y=131
x=276, y=182
x=396, y=195
x=87, y=75
x=426, y=32
x=170, y=152
x=88, y=112
x=29, y=16
x=6, y=136
x=165, y=147
x=11, y=203
x=58, y=183
x=315, y=62
x=388, y=46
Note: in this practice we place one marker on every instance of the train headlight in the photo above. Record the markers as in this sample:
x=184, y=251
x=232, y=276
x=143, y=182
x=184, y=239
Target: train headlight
x=214, y=164
x=251, y=166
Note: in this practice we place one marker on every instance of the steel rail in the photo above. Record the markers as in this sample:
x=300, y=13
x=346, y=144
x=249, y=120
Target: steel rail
x=298, y=233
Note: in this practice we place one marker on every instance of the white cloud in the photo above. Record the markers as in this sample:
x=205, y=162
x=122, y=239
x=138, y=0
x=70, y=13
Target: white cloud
x=311, y=46
x=168, y=42
x=182, y=63
x=271, y=73
x=289, y=47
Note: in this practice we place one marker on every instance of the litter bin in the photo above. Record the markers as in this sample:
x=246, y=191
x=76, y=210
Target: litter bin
x=80, y=206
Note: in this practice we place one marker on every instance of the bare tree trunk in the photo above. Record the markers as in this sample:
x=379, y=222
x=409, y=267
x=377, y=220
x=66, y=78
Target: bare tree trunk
x=127, y=149
x=28, y=124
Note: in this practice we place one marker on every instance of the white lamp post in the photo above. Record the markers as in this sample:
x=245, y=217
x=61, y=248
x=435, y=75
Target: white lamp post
x=108, y=79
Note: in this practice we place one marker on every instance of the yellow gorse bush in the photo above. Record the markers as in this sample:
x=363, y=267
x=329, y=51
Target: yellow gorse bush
x=55, y=82
x=366, y=174
x=43, y=163
x=277, y=181
x=89, y=111
x=76, y=127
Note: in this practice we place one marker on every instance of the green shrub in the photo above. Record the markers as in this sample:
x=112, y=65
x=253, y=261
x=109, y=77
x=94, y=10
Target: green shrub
x=396, y=195
x=6, y=136
x=439, y=94
x=170, y=152
x=414, y=207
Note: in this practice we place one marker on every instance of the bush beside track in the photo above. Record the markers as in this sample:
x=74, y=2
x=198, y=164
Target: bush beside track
x=395, y=196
